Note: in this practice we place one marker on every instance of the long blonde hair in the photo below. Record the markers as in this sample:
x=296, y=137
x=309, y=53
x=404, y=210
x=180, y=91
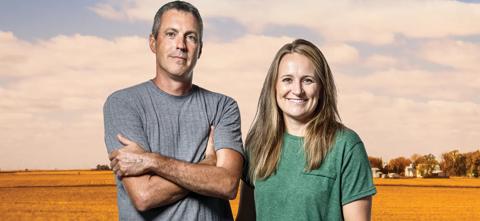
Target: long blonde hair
x=264, y=139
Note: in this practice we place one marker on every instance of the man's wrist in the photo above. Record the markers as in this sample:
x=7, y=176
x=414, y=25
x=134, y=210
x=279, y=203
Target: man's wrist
x=209, y=161
x=153, y=161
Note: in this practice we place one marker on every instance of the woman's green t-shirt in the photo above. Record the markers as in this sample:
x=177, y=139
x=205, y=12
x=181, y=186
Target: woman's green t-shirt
x=293, y=194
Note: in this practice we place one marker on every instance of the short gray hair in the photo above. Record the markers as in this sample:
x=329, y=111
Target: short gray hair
x=180, y=6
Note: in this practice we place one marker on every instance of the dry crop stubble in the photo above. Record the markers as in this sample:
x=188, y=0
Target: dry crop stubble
x=72, y=195
x=427, y=199
x=91, y=195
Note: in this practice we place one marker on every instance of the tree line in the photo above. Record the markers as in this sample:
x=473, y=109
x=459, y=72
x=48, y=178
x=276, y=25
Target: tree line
x=453, y=163
x=103, y=167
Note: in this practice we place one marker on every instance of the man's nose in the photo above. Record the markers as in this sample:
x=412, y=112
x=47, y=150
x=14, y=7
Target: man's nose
x=181, y=44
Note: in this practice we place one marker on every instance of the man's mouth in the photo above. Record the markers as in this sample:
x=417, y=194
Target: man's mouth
x=180, y=57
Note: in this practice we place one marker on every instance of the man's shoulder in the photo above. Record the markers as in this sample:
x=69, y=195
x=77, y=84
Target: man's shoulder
x=215, y=96
x=129, y=93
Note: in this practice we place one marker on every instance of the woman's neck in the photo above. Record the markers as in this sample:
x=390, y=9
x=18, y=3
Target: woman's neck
x=294, y=127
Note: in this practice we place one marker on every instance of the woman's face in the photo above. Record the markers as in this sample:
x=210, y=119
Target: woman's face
x=297, y=88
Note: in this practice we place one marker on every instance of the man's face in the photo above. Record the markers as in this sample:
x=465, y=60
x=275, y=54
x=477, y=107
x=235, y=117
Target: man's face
x=177, y=45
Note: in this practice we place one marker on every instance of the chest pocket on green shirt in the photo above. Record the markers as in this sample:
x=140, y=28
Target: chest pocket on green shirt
x=318, y=182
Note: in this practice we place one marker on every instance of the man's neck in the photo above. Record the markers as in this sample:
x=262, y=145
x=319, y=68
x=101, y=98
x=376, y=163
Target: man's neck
x=172, y=86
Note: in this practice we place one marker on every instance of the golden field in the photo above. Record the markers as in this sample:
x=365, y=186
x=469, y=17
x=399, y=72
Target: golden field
x=62, y=195
x=90, y=195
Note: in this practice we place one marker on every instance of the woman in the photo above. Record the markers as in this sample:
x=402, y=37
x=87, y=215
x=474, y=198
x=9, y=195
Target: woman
x=303, y=163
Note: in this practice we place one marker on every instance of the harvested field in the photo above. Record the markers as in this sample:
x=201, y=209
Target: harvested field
x=58, y=195
x=432, y=182
x=426, y=203
x=91, y=195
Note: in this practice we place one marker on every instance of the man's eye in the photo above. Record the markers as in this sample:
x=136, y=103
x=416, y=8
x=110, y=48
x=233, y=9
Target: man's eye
x=192, y=38
x=170, y=34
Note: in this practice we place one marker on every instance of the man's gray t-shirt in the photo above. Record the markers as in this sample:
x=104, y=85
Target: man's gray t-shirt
x=176, y=127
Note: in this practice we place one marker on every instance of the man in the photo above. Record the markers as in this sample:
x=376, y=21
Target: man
x=157, y=132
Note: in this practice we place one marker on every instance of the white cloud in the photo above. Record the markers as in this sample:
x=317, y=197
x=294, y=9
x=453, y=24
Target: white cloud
x=414, y=84
x=52, y=91
x=374, y=22
x=454, y=53
x=108, y=11
x=377, y=61
x=52, y=96
x=340, y=54
x=392, y=126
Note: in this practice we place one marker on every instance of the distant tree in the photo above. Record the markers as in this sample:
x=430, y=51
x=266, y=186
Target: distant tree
x=102, y=167
x=454, y=163
x=426, y=164
x=414, y=158
x=398, y=165
x=472, y=163
x=375, y=162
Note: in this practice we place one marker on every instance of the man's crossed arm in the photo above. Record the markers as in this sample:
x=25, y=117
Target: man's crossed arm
x=153, y=180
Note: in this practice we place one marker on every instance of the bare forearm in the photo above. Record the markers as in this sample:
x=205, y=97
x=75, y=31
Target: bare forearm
x=208, y=180
x=147, y=191
x=358, y=210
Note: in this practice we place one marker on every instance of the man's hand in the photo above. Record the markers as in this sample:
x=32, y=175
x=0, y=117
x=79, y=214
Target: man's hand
x=131, y=160
x=210, y=154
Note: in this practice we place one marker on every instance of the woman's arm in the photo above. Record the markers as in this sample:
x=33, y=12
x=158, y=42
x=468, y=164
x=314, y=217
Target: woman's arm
x=358, y=210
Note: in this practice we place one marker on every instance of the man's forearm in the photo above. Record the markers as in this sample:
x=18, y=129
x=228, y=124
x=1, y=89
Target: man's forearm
x=217, y=181
x=151, y=191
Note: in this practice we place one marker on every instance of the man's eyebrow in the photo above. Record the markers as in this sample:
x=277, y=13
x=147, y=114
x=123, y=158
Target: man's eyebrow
x=171, y=29
x=191, y=32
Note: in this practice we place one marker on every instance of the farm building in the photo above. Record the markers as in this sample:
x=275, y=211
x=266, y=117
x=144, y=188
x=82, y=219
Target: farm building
x=376, y=173
x=393, y=175
x=410, y=171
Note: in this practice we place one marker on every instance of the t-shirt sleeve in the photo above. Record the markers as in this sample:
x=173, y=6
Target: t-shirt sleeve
x=121, y=118
x=228, y=128
x=357, y=181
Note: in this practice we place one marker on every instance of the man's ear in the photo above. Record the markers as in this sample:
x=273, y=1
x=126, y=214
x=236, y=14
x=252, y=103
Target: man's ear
x=153, y=43
x=200, y=49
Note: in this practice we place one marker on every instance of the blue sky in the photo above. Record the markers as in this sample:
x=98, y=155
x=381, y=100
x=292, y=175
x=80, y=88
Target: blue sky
x=37, y=20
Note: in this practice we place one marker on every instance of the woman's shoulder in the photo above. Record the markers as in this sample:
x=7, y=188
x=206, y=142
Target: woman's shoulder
x=347, y=139
x=348, y=135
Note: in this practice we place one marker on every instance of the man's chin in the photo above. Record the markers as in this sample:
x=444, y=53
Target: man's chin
x=181, y=76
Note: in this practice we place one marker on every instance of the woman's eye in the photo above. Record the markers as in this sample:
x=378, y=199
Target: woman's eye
x=287, y=80
x=308, y=80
